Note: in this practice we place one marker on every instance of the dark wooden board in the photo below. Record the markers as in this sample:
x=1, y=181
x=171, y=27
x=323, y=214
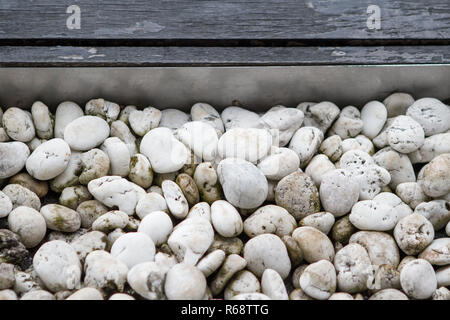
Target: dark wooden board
x=220, y=56
x=220, y=20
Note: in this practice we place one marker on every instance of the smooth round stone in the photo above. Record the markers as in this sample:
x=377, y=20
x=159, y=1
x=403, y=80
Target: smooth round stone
x=380, y=246
x=42, y=120
x=165, y=152
x=225, y=219
x=66, y=112
x=436, y=211
x=13, y=156
x=116, y=191
x=284, y=121
x=104, y=109
x=319, y=166
x=157, y=225
x=411, y=193
x=353, y=268
x=397, y=103
x=373, y=115
x=438, y=252
x=418, y=279
x=118, y=155
x=413, y=233
x=391, y=199
x=298, y=194
x=443, y=276
x=431, y=148
x=431, y=114
x=270, y=219
x=267, y=251
x=320, y=115
x=201, y=210
x=147, y=279
x=149, y=203
x=190, y=239
x=173, y=118
x=61, y=218
x=49, y=160
x=236, y=117
x=133, y=248
x=244, y=185
x=332, y=147
x=338, y=192
x=250, y=296
x=206, y=113
x=21, y=196
x=243, y=282
x=176, y=201
x=341, y=296
x=389, y=294
x=185, y=282
x=200, y=137
x=273, y=286
x=373, y=215
x=141, y=172
x=397, y=164
x=86, y=132
x=405, y=135
x=318, y=280
x=94, y=164
x=250, y=144
x=142, y=121
x=305, y=142
x=18, y=124
x=25, y=180
x=28, y=224
x=121, y=296
x=435, y=181
x=88, y=242
x=322, y=221
x=57, y=265
x=5, y=205
x=104, y=271
x=211, y=262
x=86, y=294
x=120, y=130
x=314, y=244
x=349, y=123
x=38, y=295
x=279, y=163
x=110, y=221
x=89, y=211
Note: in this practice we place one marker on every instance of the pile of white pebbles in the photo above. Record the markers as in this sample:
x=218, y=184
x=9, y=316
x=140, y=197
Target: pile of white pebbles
x=300, y=203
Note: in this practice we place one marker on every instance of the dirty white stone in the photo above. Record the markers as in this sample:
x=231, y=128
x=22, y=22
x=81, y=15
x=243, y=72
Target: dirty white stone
x=273, y=286
x=279, y=163
x=322, y=221
x=405, y=135
x=305, y=142
x=18, y=124
x=236, y=117
x=397, y=103
x=104, y=272
x=373, y=115
x=185, y=282
x=431, y=114
x=142, y=121
x=206, y=113
x=318, y=280
x=349, y=123
x=106, y=110
x=28, y=224
x=43, y=120
x=320, y=115
x=110, y=221
x=418, y=279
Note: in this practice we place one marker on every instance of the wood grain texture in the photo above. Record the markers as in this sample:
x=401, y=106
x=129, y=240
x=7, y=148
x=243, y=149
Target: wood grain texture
x=230, y=19
x=219, y=56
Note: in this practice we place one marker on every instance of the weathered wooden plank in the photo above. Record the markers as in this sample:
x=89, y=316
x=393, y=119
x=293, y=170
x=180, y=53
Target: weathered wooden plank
x=220, y=56
x=225, y=19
